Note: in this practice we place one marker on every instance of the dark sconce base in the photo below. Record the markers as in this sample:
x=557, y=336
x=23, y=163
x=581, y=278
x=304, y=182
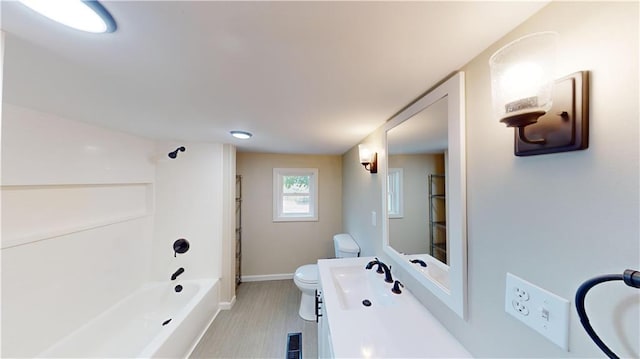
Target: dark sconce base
x=372, y=166
x=565, y=127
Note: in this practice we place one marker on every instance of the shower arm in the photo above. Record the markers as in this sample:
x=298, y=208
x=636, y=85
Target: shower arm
x=630, y=278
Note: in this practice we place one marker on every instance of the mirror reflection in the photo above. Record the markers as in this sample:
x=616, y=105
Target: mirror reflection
x=416, y=183
x=433, y=247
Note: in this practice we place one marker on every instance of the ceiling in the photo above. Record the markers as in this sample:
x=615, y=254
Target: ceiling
x=303, y=77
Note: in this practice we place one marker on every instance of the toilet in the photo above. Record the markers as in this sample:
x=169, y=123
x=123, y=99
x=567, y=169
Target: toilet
x=306, y=276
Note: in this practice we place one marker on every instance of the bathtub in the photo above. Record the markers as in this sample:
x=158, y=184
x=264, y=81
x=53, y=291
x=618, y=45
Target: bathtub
x=134, y=326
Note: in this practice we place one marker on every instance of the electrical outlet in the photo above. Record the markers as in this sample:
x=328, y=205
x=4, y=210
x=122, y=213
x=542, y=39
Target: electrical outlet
x=520, y=307
x=522, y=293
x=545, y=312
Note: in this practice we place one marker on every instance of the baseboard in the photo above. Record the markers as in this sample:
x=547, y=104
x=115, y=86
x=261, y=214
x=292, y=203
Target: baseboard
x=265, y=277
x=228, y=305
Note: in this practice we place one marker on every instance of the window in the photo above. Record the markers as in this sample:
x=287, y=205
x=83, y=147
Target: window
x=295, y=194
x=394, y=193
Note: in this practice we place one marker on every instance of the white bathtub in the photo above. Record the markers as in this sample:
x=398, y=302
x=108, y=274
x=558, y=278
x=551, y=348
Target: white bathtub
x=133, y=327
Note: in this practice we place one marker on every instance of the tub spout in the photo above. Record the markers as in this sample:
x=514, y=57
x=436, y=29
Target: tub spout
x=177, y=273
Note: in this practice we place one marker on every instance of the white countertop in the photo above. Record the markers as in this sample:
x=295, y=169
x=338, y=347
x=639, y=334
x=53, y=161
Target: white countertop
x=402, y=329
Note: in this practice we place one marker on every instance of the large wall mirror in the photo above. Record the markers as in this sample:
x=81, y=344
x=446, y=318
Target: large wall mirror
x=424, y=183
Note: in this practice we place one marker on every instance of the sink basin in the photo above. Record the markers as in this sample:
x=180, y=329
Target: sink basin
x=354, y=285
x=435, y=270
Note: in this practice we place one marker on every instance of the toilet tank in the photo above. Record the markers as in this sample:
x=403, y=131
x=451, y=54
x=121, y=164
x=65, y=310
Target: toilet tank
x=345, y=246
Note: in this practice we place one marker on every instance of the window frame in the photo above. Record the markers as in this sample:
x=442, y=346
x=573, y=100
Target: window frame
x=397, y=200
x=278, y=194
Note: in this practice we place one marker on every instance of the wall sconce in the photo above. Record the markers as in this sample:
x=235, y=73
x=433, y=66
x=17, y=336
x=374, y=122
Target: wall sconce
x=368, y=158
x=549, y=116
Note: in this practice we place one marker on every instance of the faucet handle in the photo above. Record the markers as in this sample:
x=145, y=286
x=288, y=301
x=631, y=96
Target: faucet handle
x=396, y=287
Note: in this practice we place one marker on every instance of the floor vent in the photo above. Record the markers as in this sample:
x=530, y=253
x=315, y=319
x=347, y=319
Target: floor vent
x=294, y=346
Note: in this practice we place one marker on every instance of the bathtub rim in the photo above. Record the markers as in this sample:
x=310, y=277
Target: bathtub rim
x=205, y=286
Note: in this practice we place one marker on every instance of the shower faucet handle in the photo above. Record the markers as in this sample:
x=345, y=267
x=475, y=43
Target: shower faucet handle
x=180, y=246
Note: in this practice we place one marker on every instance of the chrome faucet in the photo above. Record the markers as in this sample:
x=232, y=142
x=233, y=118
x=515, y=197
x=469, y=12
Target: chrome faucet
x=177, y=273
x=382, y=268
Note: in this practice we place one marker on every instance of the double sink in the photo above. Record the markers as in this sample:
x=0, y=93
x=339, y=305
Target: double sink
x=388, y=326
x=358, y=289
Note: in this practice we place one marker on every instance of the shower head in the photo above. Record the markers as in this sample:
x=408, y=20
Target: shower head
x=174, y=154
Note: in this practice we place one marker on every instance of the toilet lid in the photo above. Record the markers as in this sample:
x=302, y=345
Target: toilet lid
x=345, y=243
x=307, y=273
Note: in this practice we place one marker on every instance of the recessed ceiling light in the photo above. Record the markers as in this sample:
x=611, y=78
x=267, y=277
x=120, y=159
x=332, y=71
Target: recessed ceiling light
x=243, y=135
x=88, y=16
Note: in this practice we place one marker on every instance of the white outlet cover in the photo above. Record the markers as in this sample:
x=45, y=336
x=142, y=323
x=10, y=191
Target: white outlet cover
x=545, y=312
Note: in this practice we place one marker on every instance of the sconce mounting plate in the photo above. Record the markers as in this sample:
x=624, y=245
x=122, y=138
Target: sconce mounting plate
x=565, y=127
x=372, y=166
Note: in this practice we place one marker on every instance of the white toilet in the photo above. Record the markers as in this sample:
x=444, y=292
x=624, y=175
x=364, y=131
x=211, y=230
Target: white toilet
x=306, y=276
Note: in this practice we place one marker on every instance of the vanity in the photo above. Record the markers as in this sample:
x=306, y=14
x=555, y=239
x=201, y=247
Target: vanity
x=387, y=325
x=423, y=185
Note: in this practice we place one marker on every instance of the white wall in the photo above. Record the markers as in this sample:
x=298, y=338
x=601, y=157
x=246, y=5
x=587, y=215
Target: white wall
x=555, y=220
x=189, y=205
x=229, y=213
x=362, y=195
x=1, y=114
x=90, y=214
x=76, y=234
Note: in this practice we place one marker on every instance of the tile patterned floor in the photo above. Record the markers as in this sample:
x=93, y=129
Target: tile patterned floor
x=258, y=324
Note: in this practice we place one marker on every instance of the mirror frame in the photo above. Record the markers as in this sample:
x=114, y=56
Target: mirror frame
x=455, y=297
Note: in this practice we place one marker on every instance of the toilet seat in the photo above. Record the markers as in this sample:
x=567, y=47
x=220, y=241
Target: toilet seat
x=307, y=274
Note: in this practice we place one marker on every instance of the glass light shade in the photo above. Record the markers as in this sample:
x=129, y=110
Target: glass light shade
x=522, y=76
x=87, y=16
x=365, y=154
x=243, y=135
